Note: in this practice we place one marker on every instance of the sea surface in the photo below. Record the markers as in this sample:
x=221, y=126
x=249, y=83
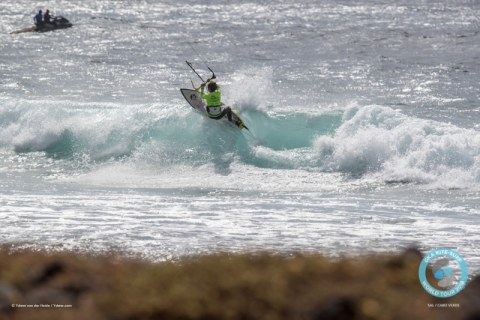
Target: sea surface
x=364, y=117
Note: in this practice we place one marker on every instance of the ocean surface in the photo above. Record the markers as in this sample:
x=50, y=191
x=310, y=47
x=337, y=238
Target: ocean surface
x=364, y=116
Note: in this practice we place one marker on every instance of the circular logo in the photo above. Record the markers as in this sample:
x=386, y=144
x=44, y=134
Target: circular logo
x=443, y=263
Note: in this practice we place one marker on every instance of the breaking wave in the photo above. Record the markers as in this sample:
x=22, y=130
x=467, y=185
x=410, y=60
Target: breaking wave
x=371, y=141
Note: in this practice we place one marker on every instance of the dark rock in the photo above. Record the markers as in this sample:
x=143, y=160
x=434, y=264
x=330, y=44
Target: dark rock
x=473, y=316
x=47, y=272
x=342, y=308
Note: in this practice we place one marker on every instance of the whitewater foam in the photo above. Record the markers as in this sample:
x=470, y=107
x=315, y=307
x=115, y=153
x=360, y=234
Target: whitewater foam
x=390, y=146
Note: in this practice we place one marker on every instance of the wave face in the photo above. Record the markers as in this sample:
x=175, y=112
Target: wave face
x=370, y=142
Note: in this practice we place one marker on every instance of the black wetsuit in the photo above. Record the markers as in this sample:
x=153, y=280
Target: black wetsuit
x=226, y=111
x=47, y=17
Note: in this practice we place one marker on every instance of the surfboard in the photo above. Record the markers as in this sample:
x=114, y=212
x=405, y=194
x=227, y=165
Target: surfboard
x=197, y=103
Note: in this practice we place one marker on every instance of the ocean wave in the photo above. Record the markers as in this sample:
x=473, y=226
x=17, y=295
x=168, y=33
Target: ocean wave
x=371, y=141
x=388, y=145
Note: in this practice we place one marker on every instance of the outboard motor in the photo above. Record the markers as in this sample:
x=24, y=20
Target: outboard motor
x=61, y=22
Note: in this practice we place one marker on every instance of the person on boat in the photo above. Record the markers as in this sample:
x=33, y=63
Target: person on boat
x=47, y=18
x=38, y=19
x=215, y=110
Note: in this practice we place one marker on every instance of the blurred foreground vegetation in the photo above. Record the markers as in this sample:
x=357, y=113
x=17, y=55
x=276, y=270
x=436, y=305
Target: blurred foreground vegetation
x=66, y=285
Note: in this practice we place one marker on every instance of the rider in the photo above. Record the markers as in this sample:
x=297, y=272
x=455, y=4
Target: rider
x=215, y=110
x=38, y=19
x=47, y=17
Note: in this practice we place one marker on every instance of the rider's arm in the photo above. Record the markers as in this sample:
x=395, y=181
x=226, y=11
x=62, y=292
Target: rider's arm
x=202, y=88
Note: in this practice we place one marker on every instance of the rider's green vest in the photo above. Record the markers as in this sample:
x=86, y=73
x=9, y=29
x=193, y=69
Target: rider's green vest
x=214, y=99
